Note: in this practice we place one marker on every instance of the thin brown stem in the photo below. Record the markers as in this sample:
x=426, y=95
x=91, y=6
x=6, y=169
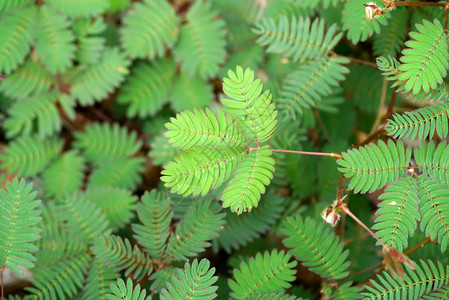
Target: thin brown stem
x=334, y=155
x=359, y=61
x=407, y=3
x=418, y=246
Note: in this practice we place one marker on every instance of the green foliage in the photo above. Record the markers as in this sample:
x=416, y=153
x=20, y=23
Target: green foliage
x=95, y=94
x=423, y=281
x=269, y=273
x=19, y=217
x=317, y=247
x=195, y=281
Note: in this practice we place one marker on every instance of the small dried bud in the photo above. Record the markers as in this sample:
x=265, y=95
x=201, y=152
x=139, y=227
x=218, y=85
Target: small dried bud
x=372, y=11
x=331, y=214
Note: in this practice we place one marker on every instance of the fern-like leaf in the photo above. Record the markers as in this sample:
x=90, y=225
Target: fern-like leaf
x=201, y=45
x=98, y=80
x=19, y=216
x=155, y=214
x=16, y=36
x=61, y=280
x=269, y=273
x=307, y=86
x=195, y=281
x=425, y=62
x=104, y=142
x=82, y=218
x=391, y=38
x=189, y=93
x=55, y=41
x=354, y=20
x=200, y=128
x=27, y=156
x=117, y=204
x=200, y=224
x=254, y=110
x=118, y=254
x=98, y=281
x=12, y=4
x=300, y=38
x=79, y=8
x=434, y=210
x=29, y=79
x=149, y=28
x=415, y=284
x=197, y=171
x=346, y=291
x=121, y=172
x=253, y=173
x=317, y=247
x=433, y=162
x=397, y=216
x=127, y=292
x=40, y=109
x=147, y=89
x=421, y=123
x=373, y=166
x=90, y=45
x=65, y=175
x=243, y=229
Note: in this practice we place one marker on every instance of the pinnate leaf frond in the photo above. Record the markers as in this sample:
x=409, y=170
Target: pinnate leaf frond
x=79, y=8
x=149, y=28
x=415, y=285
x=117, y=253
x=300, y=38
x=397, y=216
x=195, y=281
x=373, y=166
x=127, y=292
x=202, y=128
x=317, y=247
x=98, y=281
x=267, y=273
x=253, y=108
x=200, y=224
x=19, y=216
x=420, y=123
x=433, y=161
x=253, y=173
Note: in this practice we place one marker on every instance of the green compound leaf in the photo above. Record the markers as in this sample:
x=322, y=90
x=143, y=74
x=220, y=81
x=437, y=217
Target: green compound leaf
x=127, y=292
x=426, y=279
x=148, y=87
x=65, y=175
x=194, y=282
x=55, y=41
x=19, y=216
x=29, y=79
x=253, y=173
x=253, y=108
x=434, y=210
x=397, y=216
x=11, y=4
x=16, y=36
x=79, y=8
x=432, y=162
x=354, y=21
x=373, y=166
x=155, y=214
x=36, y=113
x=190, y=93
x=98, y=80
x=200, y=224
x=197, y=171
x=117, y=253
x=300, y=38
x=62, y=279
x=269, y=273
x=104, y=142
x=391, y=38
x=313, y=81
x=425, y=61
x=98, y=281
x=200, y=128
x=149, y=28
x=201, y=45
x=421, y=123
x=28, y=156
x=317, y=247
